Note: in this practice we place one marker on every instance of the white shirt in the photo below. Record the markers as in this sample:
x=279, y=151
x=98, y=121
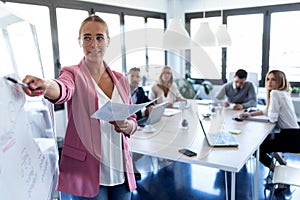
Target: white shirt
x=281, y=110
x=112, y=170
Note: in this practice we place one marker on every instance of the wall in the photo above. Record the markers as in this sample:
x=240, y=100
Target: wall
x=153, y=5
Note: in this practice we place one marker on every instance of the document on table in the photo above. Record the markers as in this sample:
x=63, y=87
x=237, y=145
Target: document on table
x=171, y=111
x=111, y=111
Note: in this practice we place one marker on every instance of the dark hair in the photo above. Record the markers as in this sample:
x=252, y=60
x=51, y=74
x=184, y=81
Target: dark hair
x=241, y=73
x=94, y=18
x=135, y=69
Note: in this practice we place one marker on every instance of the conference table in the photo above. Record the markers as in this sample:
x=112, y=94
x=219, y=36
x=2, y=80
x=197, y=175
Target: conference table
x=168, y=138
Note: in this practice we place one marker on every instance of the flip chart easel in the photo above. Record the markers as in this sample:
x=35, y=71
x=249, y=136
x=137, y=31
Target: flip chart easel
x=28, y=150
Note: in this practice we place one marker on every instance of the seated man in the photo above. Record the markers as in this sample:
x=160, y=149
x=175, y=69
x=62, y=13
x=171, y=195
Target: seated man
x=138, y=96
x=137, y=93
x=239, y=92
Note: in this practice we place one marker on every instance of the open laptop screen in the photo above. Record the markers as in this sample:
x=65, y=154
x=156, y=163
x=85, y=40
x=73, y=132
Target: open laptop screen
x=155, y=115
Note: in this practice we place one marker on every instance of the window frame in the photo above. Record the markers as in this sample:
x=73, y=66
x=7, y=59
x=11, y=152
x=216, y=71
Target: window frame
x=91, y=8
x=266, y=11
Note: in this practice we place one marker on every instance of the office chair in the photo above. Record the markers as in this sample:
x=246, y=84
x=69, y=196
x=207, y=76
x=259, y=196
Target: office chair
x=296, y=103
x=285, y=175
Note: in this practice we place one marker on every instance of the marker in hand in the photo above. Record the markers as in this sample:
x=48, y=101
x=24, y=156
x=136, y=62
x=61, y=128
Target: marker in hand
x=18, y=82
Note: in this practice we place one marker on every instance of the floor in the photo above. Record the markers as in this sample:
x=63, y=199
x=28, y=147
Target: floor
x=164, y=180
x=176, y=180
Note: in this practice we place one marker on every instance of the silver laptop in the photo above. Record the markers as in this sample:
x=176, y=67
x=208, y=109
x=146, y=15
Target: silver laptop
x=155, y=115
x=221, y=139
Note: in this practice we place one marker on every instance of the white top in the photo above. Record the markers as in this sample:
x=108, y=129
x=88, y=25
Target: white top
x=281, y=109
x=172, y=96
x=112, y=171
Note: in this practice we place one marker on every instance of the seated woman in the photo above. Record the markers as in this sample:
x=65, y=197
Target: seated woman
x=279, y=110
x=165, y=88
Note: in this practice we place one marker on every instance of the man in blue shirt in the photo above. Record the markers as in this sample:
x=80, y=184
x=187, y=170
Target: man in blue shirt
x=137, y=93
x=239, y=92
x=138, y=96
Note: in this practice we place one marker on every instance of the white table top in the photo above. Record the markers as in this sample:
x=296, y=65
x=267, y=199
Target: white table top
x=169, y=138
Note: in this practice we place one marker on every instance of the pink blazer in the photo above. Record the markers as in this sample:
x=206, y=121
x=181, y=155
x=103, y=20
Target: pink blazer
x=81, y=154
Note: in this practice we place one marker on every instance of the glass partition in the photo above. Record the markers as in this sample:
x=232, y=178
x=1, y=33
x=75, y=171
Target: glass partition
x=284, y=44
x=19, y=46
x=28, y=150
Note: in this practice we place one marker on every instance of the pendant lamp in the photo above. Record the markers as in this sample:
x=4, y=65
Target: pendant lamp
x=204, y=36
x=176, y=36
x=223, y=38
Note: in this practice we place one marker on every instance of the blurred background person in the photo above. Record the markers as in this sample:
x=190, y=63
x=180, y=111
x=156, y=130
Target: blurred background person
x=280, y=110
x=165, y=88
x=138, y=94
x=239, y=92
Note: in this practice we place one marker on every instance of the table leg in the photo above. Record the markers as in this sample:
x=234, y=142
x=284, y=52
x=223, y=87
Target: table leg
x=256, y=175
x=226, y=185
x=233, y=185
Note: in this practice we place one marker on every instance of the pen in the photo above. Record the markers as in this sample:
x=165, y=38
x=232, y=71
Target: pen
x=18, y=82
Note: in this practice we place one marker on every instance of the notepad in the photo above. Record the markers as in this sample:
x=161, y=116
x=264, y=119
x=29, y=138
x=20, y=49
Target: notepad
x=171, y=111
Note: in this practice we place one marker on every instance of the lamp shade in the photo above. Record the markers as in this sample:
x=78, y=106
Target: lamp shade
x=176, y=36
x=223, y=38
x=204, y=36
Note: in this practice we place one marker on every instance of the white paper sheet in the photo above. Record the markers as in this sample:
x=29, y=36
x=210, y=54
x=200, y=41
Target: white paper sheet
x=116, y=111
x=171, y=111
x=27, y=161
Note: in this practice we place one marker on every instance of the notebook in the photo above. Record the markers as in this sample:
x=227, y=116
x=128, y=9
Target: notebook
x=155, y=115
x=176, y=104
x=171, y=111
x=221, y=139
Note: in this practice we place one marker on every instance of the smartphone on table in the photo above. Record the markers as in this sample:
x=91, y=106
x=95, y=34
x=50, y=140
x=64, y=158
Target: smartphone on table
x=187, y=152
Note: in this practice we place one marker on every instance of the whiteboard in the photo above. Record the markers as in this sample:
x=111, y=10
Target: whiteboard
x=28, y=150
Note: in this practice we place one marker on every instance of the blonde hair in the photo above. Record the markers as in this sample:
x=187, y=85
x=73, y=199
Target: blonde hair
x=282, y=83
x=160, y=81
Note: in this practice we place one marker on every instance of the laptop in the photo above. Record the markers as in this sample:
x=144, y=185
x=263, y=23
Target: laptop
x=221, y=139
x=154, y=116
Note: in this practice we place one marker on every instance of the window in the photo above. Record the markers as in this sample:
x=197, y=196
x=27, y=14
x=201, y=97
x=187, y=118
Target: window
x=246, y=33
x=135, y=41
x=68, y=24
x=284, y=44
x=215, y=53
x=113, y=56
x=156, y=56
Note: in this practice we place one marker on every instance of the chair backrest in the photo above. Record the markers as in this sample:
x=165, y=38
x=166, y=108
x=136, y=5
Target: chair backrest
x=286, y=175
x=296, y=103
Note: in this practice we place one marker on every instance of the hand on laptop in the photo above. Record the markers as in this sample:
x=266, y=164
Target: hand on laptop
x=148, y=110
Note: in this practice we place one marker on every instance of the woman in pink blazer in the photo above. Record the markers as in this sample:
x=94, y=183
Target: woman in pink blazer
x=96, y=160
